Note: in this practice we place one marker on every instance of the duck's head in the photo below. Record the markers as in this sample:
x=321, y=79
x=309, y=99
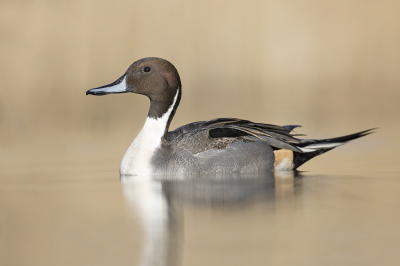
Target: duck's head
x=154, y=77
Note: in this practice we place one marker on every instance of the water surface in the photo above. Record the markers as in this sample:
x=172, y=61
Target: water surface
x=83, y=216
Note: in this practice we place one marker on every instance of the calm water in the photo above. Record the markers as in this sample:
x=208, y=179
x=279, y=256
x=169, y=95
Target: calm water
x=78, y=215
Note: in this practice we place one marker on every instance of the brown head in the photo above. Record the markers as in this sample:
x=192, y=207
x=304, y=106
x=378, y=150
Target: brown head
x=154, y=77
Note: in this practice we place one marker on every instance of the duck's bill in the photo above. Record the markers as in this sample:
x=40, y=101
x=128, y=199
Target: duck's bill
x=118, y=86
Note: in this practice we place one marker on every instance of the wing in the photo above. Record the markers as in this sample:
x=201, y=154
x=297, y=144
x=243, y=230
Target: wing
x=221, y=132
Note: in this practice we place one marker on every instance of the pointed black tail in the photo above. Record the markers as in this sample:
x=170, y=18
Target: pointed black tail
x=315, y=147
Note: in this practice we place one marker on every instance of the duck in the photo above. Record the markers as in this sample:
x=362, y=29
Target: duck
x=221, y=145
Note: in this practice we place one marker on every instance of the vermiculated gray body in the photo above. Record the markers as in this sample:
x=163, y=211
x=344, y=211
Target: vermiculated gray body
x=238, y=157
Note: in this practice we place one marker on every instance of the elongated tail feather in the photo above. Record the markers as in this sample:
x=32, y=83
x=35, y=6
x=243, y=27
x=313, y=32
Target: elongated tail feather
x=314, y=147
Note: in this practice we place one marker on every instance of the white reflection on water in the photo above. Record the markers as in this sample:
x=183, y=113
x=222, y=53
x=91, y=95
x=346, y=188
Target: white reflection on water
x=159, y=220
x=158, y=203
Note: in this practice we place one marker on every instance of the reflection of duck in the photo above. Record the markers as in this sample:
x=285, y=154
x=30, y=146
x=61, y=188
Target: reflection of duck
x=159, y=218
x=228, y=190
x=158, y=203
x=224, y=145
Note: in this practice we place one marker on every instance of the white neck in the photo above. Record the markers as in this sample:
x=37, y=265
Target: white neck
x=136, y=160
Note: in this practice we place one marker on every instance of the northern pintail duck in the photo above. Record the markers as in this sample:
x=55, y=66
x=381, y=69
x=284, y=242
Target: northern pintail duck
x=222, y=145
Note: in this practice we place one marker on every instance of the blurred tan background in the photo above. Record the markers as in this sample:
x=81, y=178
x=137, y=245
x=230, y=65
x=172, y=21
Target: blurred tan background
x=331, y=66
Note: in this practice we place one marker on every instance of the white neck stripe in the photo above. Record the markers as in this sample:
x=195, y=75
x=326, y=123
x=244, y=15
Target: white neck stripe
x=169, y=111
x=136, y=160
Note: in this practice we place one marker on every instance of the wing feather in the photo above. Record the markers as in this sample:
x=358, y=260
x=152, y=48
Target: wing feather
x=276, y=136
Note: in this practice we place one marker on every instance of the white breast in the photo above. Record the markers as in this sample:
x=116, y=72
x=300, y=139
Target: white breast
x=136, y=160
